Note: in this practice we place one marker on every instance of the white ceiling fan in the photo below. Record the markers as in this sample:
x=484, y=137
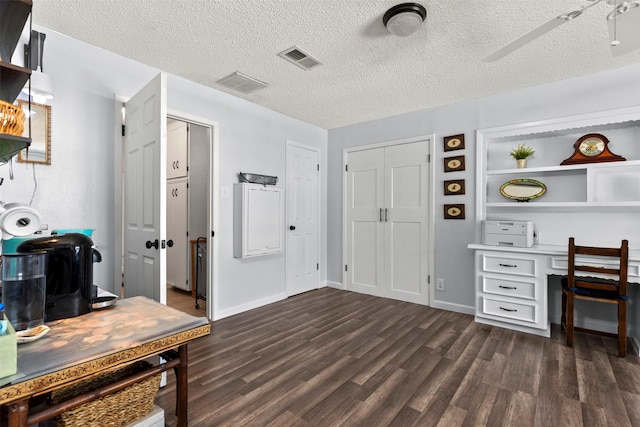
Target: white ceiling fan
x=623, y=22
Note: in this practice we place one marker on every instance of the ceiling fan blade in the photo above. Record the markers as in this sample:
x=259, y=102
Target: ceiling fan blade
x=537, y=32
x=624, y=27
x=527, y=38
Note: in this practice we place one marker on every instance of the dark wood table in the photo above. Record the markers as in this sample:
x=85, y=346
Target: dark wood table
x=86, y=346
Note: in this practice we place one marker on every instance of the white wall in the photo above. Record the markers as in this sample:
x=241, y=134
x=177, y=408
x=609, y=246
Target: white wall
x=454, y=262
x=77, y=190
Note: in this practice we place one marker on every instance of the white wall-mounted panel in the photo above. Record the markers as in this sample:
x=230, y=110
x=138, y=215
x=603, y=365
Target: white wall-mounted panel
x=259, y=220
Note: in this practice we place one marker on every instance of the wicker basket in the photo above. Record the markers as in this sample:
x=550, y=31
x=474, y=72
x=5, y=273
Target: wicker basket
x=11, y=119
x=114, y=410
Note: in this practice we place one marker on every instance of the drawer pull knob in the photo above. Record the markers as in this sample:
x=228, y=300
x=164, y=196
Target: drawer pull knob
x=508, y=309
x=508, y=265
x=507, y=287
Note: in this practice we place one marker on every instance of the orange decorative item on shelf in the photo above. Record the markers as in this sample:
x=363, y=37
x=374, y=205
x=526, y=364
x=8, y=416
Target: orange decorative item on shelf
x=11, y=119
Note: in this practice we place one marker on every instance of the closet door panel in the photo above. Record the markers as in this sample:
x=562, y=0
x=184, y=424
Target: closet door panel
x=406, y=221
x=365, y=231
x=404, y=261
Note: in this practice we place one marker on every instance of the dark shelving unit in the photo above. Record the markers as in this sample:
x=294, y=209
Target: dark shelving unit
x=13, y=17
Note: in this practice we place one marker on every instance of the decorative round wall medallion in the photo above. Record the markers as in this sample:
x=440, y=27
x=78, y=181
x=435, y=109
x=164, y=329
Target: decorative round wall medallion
x=454, y=142
x=453, y=187
x=452, y=164
x=454, y=211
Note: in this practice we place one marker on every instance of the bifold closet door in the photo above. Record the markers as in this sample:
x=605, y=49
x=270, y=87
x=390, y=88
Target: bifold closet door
x=365, y=231
x=405, y=223
x=386, y=222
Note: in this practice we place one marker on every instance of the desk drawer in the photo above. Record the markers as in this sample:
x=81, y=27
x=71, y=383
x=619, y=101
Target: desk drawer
x=508, y=265
x=507, y=287
x=511, y=311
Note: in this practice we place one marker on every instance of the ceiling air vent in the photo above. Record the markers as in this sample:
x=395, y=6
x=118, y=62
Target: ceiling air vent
x=241, y=83
x=297, y=56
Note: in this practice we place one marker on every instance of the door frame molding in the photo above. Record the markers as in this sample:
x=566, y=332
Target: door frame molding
x=430, y=138
x=212, y=206
x=291, y=143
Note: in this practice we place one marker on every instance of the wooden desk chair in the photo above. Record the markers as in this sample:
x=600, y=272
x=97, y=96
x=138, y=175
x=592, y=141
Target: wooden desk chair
x=610, y=290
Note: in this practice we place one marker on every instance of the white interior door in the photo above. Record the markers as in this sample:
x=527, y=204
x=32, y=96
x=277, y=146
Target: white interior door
x=364, y=231
x=406, y=226
x=386, y=211
x=145, y=192
x=177, y=239
x=302, y=219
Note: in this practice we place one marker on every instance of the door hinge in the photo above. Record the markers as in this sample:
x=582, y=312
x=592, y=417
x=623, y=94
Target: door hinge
x=123, y=127
x=345, y=267
x=187, y=182
x=212, y=233
x=346, y=168
x=428, y=278
x=164, y=245
x=428, y=158
x=318, y=167
x=318, y=266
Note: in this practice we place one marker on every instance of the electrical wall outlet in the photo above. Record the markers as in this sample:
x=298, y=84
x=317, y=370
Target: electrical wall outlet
x=439, y=284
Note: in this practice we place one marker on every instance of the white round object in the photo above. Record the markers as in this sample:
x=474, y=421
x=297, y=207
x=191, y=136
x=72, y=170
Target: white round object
x=19, y=220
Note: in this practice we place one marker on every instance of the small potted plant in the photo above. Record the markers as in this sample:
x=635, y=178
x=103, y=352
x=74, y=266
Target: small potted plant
x=521, y=153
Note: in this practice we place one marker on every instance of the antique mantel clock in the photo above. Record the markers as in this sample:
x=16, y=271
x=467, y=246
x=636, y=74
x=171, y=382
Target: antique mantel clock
x=591, y=148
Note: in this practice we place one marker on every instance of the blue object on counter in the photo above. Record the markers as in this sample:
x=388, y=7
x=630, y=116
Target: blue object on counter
x=86, y=231
x=3, y=320
x=10, y=246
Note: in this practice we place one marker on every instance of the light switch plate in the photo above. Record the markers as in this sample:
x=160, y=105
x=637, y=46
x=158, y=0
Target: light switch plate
x=224, y=192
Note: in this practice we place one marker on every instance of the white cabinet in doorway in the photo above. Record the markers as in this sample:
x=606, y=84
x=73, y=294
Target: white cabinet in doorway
x=177, y=149
x=177, y=239
x=386, y=211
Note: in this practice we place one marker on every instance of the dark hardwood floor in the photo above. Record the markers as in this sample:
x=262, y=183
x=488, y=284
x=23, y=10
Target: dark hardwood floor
x=336, y=358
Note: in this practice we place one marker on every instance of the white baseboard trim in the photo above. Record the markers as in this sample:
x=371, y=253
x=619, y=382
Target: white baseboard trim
x=636, y=346
x=458, y=308
x=336, y=285
x=221, y=314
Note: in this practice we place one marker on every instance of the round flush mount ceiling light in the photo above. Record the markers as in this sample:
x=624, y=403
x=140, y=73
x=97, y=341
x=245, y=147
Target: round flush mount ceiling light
x=404, y=19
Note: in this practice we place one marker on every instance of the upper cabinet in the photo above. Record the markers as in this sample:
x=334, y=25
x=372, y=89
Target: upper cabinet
x=13, y=17
x=177, y=149
x=596, y=186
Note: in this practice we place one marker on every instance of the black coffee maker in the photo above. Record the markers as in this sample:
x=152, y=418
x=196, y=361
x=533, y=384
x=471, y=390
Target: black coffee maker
x=69, y=286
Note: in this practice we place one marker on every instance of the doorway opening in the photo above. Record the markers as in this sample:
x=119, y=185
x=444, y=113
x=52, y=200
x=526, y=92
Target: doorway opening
x=188, y=177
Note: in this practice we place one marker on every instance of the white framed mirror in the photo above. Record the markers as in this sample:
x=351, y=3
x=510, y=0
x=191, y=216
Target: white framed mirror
x=40, y=149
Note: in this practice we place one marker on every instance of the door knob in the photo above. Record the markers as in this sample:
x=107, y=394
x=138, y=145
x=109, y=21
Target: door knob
x=154, y=244
x=292, y=227
x=170, y=243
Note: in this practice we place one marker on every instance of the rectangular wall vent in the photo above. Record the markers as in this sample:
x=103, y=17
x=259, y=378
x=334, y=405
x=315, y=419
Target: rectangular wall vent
x=241, y=83
x=297, y=56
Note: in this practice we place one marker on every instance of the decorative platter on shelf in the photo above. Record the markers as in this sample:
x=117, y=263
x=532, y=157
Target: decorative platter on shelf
x=523, y=189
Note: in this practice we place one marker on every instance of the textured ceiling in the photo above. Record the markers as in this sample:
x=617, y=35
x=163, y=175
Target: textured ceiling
x=367, y=73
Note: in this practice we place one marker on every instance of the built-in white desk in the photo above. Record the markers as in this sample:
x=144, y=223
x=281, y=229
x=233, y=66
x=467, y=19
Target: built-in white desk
x=511, y=284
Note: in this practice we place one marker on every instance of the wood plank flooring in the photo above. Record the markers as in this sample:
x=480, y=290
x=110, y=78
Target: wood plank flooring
x=183, y=301
x=337, y=358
